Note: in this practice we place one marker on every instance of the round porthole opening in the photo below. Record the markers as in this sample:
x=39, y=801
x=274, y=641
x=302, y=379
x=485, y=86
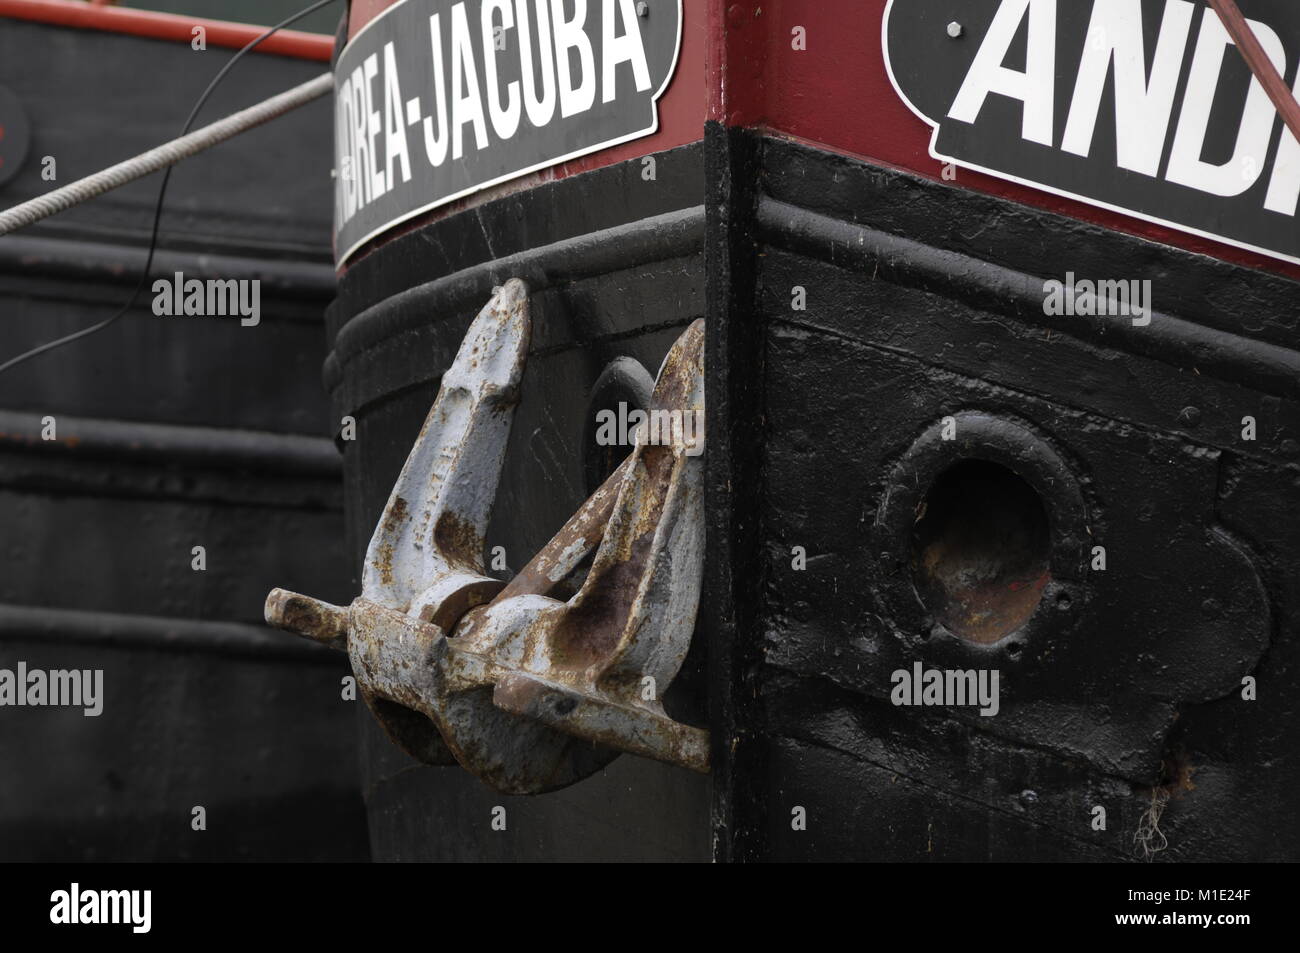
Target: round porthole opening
x=980, y=551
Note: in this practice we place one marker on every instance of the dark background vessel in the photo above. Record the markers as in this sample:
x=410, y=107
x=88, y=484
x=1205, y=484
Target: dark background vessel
x=172, y=433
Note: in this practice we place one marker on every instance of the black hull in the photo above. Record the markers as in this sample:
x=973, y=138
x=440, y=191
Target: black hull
x=1122, y=689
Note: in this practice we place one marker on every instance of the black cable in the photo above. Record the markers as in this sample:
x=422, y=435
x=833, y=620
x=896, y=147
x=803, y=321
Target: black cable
x=158, y=206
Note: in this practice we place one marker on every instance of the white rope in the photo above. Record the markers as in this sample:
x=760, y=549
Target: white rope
x=167, y=154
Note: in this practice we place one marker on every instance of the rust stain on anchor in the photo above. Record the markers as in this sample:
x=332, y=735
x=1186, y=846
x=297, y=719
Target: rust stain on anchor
x=528, y=692
x=395, y=514
x=458, y=539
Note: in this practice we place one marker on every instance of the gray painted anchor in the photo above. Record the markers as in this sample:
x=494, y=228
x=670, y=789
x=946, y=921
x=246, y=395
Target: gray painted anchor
x=527, y=692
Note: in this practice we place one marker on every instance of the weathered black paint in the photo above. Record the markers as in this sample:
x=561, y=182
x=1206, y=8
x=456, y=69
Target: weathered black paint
x=734, y=569
x=1126, y=680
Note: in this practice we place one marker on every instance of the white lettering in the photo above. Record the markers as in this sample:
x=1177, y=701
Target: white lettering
x=622, y=49
x=1247, y=163
x=466, y=96
x=505, y=120
x=1035, y=87
x=570, y=36
x=1142, y=108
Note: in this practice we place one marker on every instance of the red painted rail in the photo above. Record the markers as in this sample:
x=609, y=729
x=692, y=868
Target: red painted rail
x=167, y=26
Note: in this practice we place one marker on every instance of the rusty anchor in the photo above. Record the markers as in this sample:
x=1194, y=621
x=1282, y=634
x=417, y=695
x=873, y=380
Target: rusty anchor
x=528, y=692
